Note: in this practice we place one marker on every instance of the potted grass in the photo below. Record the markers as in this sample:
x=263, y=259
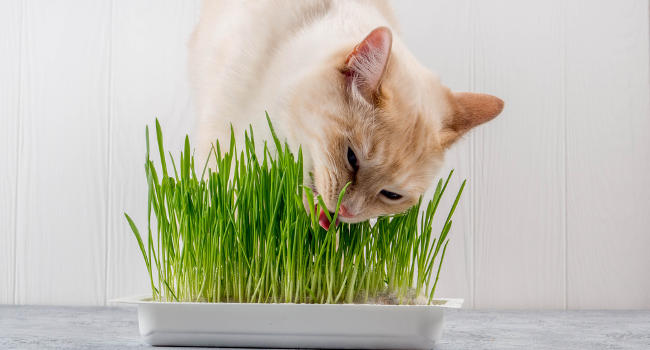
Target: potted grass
x=235, y=260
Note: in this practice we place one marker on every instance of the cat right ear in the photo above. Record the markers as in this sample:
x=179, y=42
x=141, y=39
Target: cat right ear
x=469, y=110
x=366, y=64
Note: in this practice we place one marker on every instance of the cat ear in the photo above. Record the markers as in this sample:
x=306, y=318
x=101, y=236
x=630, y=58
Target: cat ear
x=469, y=110
x=366, y=64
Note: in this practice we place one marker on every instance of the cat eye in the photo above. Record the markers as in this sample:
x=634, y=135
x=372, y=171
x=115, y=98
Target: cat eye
x=391, y=195
x=352, y=159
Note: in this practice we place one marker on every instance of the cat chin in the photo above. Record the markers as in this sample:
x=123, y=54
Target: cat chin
x=325, y=223
x=354, y=220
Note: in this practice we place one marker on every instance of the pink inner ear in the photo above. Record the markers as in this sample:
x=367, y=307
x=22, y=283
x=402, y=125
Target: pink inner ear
x=367, y=61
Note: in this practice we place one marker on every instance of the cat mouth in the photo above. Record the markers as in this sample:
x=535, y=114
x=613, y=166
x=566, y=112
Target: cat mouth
x=322, y=216
x=324, y=221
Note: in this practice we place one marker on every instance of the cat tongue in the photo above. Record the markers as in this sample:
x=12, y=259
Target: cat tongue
x=324, y=221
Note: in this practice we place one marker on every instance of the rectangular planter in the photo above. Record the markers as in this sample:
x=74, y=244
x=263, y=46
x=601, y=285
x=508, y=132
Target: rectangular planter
x=291, y=325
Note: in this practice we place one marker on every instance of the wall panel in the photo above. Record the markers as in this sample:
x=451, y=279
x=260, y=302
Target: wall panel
x=148, y=81
x=62, y=165
x=608, y=155
x=519, y=217
x=10, y=35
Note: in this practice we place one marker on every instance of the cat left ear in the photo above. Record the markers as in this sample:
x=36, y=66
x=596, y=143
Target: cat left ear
x=366, y=64
x=468, y=110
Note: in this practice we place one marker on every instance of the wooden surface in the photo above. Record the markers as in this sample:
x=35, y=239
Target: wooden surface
x=555, y=214
x=608, y=155
x=148, y=81
x=62, y=174
x=519, y=158
x=10, y=29
x=47, y=327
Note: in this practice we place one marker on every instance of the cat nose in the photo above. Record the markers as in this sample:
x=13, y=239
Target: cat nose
x=344, y=212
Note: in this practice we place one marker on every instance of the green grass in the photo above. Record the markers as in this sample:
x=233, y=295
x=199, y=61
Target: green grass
x=240, y=233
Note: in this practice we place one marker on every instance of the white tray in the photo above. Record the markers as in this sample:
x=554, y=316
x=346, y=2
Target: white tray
x=291, y=325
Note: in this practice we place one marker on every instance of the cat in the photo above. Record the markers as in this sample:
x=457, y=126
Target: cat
x=336, y=80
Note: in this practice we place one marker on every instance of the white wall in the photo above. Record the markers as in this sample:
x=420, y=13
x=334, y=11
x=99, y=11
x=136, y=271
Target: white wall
x=557, y=212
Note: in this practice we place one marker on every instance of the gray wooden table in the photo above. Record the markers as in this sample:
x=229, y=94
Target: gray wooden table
x=52, y=327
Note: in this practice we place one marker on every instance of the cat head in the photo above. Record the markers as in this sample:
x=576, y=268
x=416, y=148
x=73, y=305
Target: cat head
x=379, y=120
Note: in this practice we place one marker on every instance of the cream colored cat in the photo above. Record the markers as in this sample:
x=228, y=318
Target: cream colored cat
x=337, y=80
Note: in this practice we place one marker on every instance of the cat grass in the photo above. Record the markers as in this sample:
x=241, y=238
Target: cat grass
x=240, y=233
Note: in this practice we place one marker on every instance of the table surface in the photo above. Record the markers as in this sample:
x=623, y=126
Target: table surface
x=60, y=327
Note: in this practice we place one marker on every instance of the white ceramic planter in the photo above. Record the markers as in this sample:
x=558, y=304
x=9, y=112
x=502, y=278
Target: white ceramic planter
x=291, y=325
